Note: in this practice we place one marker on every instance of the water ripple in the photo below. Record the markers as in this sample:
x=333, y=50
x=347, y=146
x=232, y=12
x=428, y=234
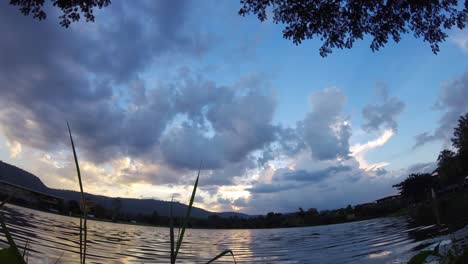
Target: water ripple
x=385, y=240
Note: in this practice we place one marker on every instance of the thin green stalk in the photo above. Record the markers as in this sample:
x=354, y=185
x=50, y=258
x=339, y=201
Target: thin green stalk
x=83, y=226
x=171, y=234
x=10, y=240
x=81, y=238
x=57, y=261
x=25, y=247
x=178, y=231
x=224, y=253
x=85, y=213
x=187, y=216
x=8, y=236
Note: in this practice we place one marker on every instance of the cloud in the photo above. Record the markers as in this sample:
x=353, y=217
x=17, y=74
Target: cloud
x=50, y=75
x=427, y=167
x=314, y=176
x=223, y=127
x=273, y=188
x=15, y=148
x=336, y=186
x=461, y=40
x=286, y=179
x=240, y=202
x=382, y=114
x=333, y=192
x=358, y=151
x=452, y=103
x=325, y=130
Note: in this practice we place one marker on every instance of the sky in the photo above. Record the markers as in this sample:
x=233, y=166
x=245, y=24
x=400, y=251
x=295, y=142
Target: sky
x=153, y=90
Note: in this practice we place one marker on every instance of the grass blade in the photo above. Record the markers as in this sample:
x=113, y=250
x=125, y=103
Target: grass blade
x=8, y=236
x=81, y=238
x=436, y=250
x=85, y=239
x=57, y=261
x=83, y=227
x=222, y=254
x=171, y=226
x=187, y=216
x=25, y=247
x=10, y=240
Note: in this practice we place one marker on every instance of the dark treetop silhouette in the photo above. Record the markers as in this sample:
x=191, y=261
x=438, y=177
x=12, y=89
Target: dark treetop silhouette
x=339, y=23
x=71, y=9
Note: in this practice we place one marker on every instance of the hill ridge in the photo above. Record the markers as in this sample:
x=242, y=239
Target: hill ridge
x=13, y=174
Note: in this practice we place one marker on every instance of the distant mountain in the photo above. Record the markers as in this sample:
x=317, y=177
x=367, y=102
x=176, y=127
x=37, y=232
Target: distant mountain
x=15, y=175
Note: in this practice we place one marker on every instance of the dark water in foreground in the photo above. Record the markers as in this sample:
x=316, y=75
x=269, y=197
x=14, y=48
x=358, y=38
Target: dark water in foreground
x=384, y=240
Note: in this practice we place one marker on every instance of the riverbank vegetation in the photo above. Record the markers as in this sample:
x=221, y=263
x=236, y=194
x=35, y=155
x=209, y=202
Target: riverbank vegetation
x=441, y=197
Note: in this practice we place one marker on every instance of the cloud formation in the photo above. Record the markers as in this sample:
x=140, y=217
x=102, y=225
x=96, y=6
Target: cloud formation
x=452, y=103
x=135, y=124
x=359, y=150
x=461, y=40
x=286, y=179
x=384, y=113
x=325, y=130
x=15, y=148
x=50, y=75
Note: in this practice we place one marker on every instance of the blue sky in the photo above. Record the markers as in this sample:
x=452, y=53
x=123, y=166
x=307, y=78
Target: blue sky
x=153, y=88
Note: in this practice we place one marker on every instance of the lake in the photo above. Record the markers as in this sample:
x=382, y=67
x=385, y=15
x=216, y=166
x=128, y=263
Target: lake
x=384, y=240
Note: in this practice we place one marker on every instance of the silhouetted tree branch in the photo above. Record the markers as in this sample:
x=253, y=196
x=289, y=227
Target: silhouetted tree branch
x=71, y=9
x=460, y=135
x=340, y=23
x=417, y=187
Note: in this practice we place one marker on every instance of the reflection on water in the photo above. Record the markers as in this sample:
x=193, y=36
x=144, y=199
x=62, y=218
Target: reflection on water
x=384, y=240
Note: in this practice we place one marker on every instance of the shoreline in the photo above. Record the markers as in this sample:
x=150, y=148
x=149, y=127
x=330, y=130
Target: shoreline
x=197, y=228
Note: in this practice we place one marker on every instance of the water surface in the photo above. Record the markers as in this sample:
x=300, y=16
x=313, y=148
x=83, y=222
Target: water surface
x=384, y=240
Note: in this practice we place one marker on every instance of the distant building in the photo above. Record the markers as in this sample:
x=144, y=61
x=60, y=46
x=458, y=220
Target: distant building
x=31, y=197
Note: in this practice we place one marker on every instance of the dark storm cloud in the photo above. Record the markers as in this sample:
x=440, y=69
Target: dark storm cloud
x=382, y=114
x=286, y=179
x=272, y=188
x=88, y=75
x=49, y=74
x=240, y=202
x=139, y=33
x=231, y=126
x=314, y=176
x=452, y=103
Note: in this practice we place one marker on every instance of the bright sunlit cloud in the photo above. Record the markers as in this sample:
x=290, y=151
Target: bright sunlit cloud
x=15, y=148
x=358, y=151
